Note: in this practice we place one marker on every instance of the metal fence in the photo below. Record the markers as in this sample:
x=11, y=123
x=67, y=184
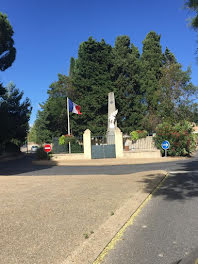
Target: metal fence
x=140, y=144
x=98, y=140
x=103, y=147
x=103, y=140
x=76, y=147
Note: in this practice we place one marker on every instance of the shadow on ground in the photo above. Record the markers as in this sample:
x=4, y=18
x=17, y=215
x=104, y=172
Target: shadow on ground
x=25, y=167
x=181, y=184
x=20, y=166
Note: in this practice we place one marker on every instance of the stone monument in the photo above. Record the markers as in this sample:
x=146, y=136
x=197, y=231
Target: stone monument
x=112, y=123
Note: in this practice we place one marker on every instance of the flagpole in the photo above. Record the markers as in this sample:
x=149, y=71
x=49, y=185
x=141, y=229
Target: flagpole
x=68, y=124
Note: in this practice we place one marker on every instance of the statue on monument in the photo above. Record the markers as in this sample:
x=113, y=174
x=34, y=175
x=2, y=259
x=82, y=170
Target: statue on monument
x=112, y=123
x=112, y=118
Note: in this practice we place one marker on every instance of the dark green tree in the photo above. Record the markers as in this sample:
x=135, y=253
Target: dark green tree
x=92, y=83
x=52, y=118
x=177, y=93
x=32, y=134
x=15, y=115
x=151, y=63
x=7, y=49
x=3, y=118
x=71, y=67
x=42, y=133
x=193, y=5
x=125, y=76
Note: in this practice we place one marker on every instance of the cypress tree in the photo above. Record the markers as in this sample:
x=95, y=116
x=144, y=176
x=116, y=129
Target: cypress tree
x=92, y=83
x=151, y=63
x=71, y=67
x=125, y=75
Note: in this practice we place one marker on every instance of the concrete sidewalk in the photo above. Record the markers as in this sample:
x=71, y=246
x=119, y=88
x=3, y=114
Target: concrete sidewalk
x=106, y=162
x=66, y=219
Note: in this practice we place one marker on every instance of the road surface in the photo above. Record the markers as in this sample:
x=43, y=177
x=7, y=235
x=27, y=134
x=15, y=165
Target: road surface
x=166, y=230
x=25, y=167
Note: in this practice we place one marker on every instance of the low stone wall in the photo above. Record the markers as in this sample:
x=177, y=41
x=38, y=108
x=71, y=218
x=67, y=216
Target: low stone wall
x=126, y=155
x=143, y=144
x=72, y=156
x=142, y=154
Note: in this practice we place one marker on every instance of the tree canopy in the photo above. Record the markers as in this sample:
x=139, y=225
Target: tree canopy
x=92, y=82
x=149, y=88
x=193, y=5
x=7, y=49
x=15, y=115
x=126, y=83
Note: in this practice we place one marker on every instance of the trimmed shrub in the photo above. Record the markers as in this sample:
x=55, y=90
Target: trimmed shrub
x=76, y=148
x=180, y=136
x=41, y=154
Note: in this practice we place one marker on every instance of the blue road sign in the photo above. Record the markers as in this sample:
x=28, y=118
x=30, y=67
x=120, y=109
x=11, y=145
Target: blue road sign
x=165, y=144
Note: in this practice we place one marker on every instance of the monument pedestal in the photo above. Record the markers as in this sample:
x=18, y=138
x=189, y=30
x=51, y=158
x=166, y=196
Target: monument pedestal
x=110, y=137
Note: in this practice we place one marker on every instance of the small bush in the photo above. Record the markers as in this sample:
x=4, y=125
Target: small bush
x=180, y=136
x=76, y=148
x=41, y=154
x=65, y=139
x=138, y=134
x=134, y=135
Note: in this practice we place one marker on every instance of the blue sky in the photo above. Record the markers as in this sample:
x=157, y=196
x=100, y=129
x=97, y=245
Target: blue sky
x=48, y=33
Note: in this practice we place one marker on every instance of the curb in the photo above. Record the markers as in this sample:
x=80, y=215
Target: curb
x=104, y=162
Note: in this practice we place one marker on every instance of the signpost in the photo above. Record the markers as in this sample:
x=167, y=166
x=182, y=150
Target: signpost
x=165, y=145
x=47, y=148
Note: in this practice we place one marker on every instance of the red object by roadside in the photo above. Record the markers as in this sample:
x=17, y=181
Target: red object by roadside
x=47, y=148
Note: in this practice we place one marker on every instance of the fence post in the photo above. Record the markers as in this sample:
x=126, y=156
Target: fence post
x=118, y=143
x=87, y=143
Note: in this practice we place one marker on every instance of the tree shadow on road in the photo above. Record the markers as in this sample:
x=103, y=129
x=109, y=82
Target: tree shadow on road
x=22, y=165
x=180, y=184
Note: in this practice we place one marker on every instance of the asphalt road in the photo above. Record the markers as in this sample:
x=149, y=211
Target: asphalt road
x=25, y=167
x=166, y=230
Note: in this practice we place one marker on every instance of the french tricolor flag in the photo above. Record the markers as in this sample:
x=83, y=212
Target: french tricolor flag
x=74, y=108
